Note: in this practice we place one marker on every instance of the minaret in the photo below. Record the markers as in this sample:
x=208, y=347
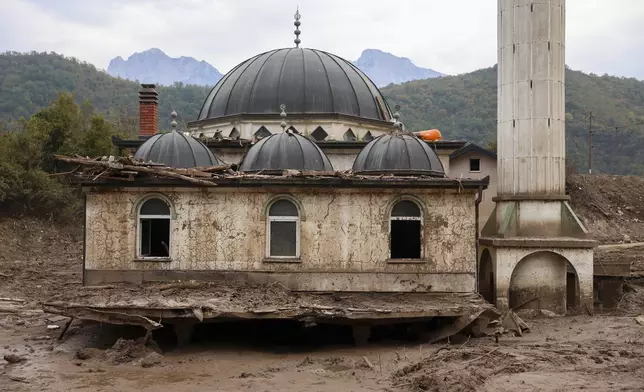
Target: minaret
x=533, y=240
x=531, y=113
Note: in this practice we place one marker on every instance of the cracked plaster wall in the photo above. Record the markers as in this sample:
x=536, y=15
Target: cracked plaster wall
x=343, y=231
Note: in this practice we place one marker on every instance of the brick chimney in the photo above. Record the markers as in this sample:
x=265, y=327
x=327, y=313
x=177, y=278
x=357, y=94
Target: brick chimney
x=148, y=111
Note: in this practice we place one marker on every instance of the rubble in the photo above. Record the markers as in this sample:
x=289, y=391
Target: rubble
x=13, y=358
x=127, y=169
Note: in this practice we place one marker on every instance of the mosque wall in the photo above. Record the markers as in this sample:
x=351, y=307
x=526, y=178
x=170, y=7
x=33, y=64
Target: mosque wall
x=344, y=238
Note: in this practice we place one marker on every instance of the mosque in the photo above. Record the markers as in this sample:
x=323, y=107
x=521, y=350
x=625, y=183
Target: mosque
x=324, y=190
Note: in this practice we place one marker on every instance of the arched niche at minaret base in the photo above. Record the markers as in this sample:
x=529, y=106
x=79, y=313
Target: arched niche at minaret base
x=556, y=279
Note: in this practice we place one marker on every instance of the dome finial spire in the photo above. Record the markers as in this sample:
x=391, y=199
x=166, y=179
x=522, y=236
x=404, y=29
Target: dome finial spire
x=297, y=24
x=173, y=123
x=283, y=124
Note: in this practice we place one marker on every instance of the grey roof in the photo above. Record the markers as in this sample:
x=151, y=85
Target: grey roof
x=283, y=151
x=175, y=149
x=307, y=81
x=471, y=147
x=398, y=153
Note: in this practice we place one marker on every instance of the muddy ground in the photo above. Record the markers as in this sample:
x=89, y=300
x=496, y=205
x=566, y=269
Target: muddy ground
x=38, y=260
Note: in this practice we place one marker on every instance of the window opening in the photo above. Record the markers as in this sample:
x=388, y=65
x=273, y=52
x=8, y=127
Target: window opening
x=293, y=129
x=475, y=164
x=319, y=134
x=262, y=132
x=234, y=134
x=283, y=230
x=367, y=137
x=349, y=136
x=405, y=231
x=154, y=229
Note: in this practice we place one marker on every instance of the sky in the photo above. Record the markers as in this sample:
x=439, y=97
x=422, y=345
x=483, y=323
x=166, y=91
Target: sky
x=449, y=36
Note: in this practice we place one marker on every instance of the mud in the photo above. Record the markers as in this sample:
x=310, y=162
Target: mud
x=39, y=260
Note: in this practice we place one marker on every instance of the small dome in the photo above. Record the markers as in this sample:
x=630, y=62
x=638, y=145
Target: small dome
x=176, y=150
x=402, y=154
x=307, y=81
x=285, y=151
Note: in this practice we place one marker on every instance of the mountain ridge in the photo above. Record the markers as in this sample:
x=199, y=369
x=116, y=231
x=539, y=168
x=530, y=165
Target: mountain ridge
x=384, y=68
x=155, y=66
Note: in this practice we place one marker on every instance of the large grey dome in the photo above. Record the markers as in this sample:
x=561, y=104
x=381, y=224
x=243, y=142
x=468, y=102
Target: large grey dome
x=176, y=150
x=307, y=81
x=284, y=151
x=397, y=153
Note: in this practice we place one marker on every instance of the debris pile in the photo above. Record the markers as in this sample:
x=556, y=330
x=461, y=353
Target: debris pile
x=142, y=304
x=460, y=369
x=123, y=169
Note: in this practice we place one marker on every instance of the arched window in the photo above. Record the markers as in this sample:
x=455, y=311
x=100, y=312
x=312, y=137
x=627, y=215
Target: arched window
x=283, y=230
x=154, y=229
x=319, y=134
x=262, y=132
x=405, y=234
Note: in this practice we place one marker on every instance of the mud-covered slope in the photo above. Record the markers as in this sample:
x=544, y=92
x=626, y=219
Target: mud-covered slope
x=610, y=206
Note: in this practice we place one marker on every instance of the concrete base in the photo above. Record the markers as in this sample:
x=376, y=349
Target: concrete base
x=540, y=256
x=538, y=279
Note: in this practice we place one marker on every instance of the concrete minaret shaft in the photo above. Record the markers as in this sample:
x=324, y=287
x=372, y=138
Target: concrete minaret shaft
x=531, y=101
x=534, y=245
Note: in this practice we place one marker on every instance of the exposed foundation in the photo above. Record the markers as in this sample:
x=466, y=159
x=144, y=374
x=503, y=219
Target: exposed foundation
x=184, y=306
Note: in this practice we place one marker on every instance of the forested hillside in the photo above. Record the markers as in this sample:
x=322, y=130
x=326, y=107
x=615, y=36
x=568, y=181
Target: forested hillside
x=462, y=107
x=30, y=82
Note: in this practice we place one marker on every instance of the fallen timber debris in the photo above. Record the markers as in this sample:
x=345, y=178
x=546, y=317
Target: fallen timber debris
x=150, y=304
x=89, y=171
x=165, y=172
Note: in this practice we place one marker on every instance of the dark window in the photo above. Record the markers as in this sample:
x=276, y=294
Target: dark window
x=293, y=129
x=234, y=134
x=367, y=137
x=262, y=132
x=283, y=230
x=319, y=134
x=475, y=164
x=349, y=136
x=154, y=229
x=406, y=231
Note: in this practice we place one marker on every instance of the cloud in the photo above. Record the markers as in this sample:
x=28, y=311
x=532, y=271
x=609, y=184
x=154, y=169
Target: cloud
x=448, y=36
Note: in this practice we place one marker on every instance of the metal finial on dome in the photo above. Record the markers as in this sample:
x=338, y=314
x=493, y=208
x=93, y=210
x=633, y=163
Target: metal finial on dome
x=283, y=124
x=297, y=24
x=173, y=123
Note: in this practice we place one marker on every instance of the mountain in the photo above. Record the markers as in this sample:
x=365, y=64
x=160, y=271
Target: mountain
x=154, y=66
x=31, y=81
x=462, y=107
x=385, y=68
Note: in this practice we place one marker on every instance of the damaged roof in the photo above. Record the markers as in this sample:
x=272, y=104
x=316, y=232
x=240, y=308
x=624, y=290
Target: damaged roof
x=124, y=172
